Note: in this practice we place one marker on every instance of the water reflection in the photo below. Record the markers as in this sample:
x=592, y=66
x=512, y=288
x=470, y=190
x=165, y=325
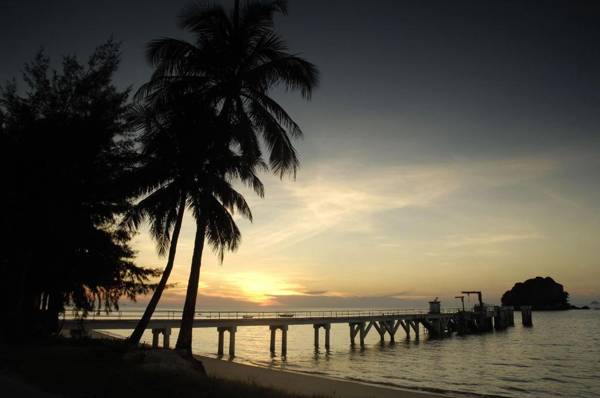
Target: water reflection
x=559, y=356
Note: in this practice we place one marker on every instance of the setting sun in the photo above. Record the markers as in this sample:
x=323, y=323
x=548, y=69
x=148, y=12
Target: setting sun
x=260, y=288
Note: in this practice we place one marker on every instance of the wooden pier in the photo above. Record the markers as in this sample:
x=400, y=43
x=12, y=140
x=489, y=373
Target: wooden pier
x=436, y=322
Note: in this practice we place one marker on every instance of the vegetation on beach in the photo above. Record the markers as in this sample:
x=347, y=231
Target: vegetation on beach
x=65, y=164
x=85, y=167
x=65, y=367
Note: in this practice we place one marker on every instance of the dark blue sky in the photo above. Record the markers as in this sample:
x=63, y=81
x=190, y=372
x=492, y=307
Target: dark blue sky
x=496, y=74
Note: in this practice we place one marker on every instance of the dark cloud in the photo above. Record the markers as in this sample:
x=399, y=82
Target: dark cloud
x=316, y=292
x=319, y=301
x=325, y=301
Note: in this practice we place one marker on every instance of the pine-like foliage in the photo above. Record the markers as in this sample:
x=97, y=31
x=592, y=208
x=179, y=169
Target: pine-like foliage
x=64, y=155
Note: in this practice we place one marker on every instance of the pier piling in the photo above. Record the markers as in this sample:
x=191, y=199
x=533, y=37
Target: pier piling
x=272, y=345
x=363, y=333
x=380, y=328
x=415, y=326
x=526, y=316
x=166, y=338
x=232, y=341
x=232, y=330
x=284, y=341
x=389, y=328
x=405, y=325
x=155, y=336
x=220, y=343
x=156, y=332
x=354, y=330
x=284, y=329
x=327, y=328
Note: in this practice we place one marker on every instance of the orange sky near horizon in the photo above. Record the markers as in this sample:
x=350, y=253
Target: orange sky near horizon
x=449, y=146
x=342, y=235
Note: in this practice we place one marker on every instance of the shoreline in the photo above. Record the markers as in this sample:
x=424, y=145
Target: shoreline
x=306, y=384
x=302, y=383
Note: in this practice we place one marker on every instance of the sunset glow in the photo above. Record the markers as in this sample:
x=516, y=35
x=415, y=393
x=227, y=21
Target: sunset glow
x=260, y=288
x=413, y=231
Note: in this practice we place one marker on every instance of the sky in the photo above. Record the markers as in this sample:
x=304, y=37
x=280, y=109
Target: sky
x=450, y=146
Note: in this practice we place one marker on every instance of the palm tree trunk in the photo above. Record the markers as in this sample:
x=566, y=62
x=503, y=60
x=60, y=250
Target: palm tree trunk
x=184, y=340
x=136, y=336
x=21, y=310
x=236, y=13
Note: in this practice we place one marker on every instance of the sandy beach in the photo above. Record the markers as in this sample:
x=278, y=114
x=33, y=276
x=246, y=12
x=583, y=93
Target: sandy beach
x=303, y=384
x=297, y=383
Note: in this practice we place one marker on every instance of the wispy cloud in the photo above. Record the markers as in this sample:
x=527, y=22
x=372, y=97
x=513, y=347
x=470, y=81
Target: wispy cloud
x=329, y=198
x=337, y=196
x=398, y=219
x=455, y=241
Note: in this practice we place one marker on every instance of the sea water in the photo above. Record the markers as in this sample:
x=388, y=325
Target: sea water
x=558, y=357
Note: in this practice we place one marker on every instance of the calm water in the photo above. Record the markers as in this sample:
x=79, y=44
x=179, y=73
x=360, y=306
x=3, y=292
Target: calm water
x=558, y=357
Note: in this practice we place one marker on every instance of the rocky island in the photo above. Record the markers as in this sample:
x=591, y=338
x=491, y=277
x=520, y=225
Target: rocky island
x=539, y=293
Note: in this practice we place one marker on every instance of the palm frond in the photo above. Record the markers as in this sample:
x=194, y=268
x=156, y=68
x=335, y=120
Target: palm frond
x=271, y=106
x=231, y=199
x=208, y=22
x=171, y=54
x=160, y=209
x=222, y=233
x=257, y=16
x=283, y=158
x=292, y=72
x=160, y=89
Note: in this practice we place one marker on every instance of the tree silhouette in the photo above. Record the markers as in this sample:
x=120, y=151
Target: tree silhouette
x=178, y=146
x=186, y=161
x=540, y=293
x=213, y=203
x=64, y=152
x=235, y=61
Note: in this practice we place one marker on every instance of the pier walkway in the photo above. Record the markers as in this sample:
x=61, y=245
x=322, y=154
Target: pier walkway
x=437, y=322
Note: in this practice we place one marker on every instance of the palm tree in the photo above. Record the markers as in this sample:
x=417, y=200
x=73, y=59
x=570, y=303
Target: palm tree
x=155, y=207
x=176, y=145
x=213, y=202
x=213, y=209
x=235, y=61
x=161, y=181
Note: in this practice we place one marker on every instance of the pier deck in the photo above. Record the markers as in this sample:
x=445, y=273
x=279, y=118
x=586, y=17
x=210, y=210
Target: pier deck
x=437, y=323
x=172, y=319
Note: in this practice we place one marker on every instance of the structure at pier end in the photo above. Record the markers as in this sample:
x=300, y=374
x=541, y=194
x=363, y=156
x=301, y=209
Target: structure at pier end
x=437, y=322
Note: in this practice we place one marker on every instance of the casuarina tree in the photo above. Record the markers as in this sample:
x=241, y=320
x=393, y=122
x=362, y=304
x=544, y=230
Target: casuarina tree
x=65, y=151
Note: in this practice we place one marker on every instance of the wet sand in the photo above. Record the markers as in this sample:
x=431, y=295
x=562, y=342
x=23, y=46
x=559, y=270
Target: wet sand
x=303, y=384
x=298, y=383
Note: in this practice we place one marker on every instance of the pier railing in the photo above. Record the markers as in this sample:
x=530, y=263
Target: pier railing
x=173, y=314
x=438, y=323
